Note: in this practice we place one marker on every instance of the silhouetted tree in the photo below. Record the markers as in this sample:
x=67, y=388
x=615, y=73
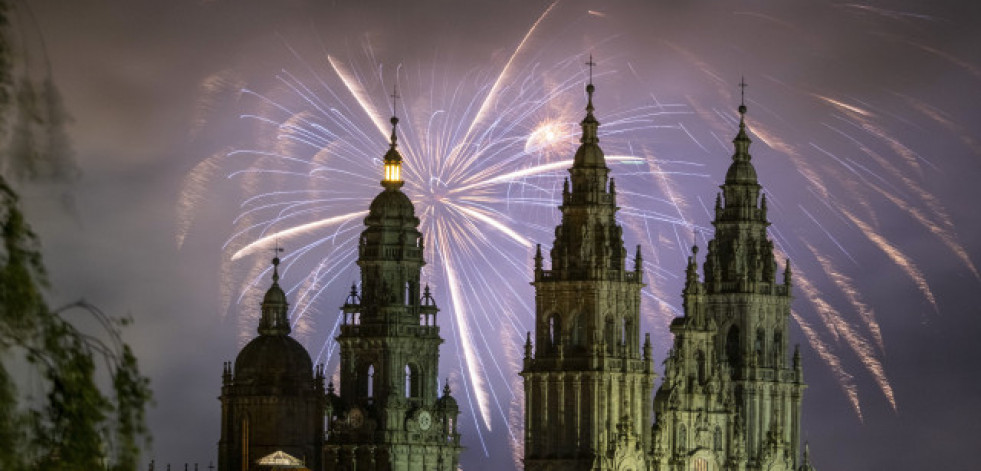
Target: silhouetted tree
x=82, y=422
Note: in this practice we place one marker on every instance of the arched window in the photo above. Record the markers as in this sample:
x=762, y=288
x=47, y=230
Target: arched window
x=554, y=329
x=411, y=381
x=610, y=334
x=700, y=360
x=370, y=378
x=408, y=293
x=733, y=351
x=682, y=437
x=777, y=344
x=717, y=439
x=699, y=464
x=623, y=331
x=759, y=343
x=575, y=331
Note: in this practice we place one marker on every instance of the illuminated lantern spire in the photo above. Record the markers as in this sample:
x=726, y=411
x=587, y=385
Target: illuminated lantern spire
x=392, y=178
x=388, y=414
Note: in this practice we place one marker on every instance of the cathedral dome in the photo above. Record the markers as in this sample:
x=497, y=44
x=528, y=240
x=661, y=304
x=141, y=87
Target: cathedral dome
x=741, y=172
x=447, y=403
x=391, y=205
x=589, y=155
x=274, y=296
x=272, y=359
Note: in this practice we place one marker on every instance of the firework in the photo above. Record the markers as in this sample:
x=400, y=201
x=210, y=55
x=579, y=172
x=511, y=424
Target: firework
x=485, y=153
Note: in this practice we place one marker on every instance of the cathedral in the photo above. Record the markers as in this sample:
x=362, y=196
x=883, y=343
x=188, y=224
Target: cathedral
x=730, y=398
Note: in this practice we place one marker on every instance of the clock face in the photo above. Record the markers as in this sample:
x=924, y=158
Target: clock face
x=425, y=420
x=356, y=418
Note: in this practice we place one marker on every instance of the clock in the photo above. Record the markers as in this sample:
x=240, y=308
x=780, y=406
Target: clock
x=355, y=418
x=425, y=420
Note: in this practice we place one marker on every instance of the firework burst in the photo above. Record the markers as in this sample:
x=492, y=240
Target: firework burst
x=484, y=158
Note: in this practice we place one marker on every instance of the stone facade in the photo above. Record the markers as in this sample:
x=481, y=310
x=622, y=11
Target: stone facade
x=731, y=397
x=587, y=378
x=389, y=414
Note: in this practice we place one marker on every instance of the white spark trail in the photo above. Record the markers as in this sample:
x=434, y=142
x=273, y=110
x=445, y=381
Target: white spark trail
x=263, y=242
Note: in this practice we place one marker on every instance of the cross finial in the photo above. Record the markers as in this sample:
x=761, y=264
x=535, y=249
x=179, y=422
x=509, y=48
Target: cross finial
x=395, y=118
x=275, y=261
x=591, y=64
x=742, y=95
x=395, y=96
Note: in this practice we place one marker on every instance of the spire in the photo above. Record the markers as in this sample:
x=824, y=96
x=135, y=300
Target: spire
x=528, y=346
x=787, y=274
x=446, y=387
x=741, y=171
x=589, y=154
x=638, y=261
x=274, y=320
x=742, y=140
x=393, y=160
x=647, y=346
x=589, y=123
x=806, y=461
x=692, y=272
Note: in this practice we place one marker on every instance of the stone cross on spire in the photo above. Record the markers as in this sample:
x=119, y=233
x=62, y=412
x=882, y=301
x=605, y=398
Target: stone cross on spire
x=742, y=95
x=275, y=261
x=395, y=96
x=591, y=64
x=395, y=119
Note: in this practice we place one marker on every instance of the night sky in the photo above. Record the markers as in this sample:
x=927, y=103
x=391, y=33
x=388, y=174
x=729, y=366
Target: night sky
x=865, y=117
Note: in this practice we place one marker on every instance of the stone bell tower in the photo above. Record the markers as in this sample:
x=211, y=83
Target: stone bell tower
x=587, y=378
x=731, y=396
x=389, y=414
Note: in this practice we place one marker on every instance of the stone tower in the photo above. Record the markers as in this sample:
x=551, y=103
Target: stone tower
x=731, y=397
x=273, y=399
x=389, y=414
x=587, y=378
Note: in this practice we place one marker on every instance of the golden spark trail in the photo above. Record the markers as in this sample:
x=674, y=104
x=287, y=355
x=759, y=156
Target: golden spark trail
x=844, y=106
x=945, y=236
x=846, y=285
x=845, y=380
x=942, y=118
x=801, y=164
x=193, y=187
x=893, y=143
x=856, y=342
x=946, y=233
x=287, y=233
x=897, y=256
